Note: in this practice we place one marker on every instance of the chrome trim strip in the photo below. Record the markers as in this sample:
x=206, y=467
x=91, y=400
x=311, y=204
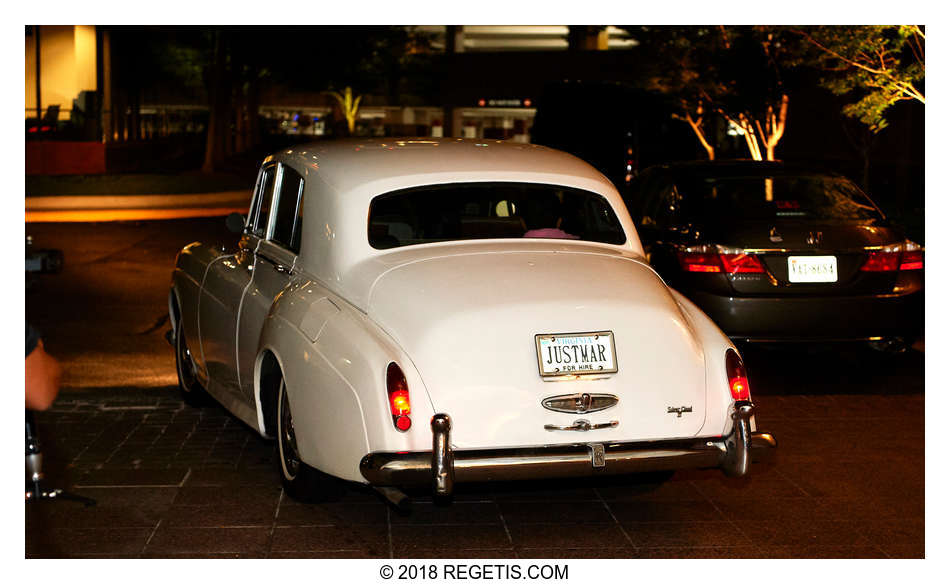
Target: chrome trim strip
x=809, y=251
x=800, y=340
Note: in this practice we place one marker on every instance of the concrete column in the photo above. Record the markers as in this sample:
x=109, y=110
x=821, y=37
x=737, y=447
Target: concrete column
x=454, y=39
x=587, y=38
x=454, y=43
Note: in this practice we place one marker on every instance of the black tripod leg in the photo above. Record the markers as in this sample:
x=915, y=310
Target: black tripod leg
x=34, y=463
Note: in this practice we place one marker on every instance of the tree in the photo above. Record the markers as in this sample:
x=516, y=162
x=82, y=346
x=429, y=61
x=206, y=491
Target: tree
x=876, y=65
x=348, y=105
x=694, y=116
x=754, y=61
x=684, y=69
x=735, y=72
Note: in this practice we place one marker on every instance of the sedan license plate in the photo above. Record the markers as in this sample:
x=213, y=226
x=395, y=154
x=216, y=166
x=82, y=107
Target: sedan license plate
x=576, y=353
x=812, y=269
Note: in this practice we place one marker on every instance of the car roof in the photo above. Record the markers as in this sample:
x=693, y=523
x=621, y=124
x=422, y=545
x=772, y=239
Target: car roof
x=342, y=177
x=347, y=165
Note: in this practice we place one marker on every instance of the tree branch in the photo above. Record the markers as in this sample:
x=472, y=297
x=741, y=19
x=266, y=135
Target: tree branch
x=904, y=86
x=697, y=126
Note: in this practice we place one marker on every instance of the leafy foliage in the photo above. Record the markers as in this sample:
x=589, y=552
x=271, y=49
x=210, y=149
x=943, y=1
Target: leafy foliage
x=876, y=65
x=734, y=71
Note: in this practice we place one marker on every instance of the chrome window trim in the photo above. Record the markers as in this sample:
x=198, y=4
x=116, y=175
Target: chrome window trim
x=274, y=202
x=256, y=201
x=298, y=223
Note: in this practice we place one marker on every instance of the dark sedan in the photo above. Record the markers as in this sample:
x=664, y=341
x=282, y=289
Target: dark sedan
x=777, y=253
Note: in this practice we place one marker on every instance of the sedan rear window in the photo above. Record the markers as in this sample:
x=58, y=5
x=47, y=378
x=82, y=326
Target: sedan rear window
x=489, y=211
x=774, y=198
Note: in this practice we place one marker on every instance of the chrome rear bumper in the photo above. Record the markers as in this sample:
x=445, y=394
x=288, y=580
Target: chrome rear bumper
x=442, y=467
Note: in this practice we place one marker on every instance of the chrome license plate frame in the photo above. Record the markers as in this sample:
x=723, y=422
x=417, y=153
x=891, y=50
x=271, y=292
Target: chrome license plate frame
x=576, y=354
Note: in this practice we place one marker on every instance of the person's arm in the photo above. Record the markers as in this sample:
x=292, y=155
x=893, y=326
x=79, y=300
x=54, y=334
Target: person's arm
x=42, y=378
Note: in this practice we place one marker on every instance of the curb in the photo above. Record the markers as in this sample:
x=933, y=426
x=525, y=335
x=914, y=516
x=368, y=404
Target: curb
x=134, y=207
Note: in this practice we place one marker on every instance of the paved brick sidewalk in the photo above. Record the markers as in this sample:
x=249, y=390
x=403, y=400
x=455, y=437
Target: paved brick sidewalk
x=173, y=481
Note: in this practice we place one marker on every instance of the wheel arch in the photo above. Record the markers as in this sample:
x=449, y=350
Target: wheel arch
x=174, y=308
x=268, y=371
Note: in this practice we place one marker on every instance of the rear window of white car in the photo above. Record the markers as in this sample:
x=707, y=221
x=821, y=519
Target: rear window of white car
x=462, y=211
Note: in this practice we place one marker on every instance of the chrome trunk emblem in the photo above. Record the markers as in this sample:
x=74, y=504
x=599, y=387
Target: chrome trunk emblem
x=814, y=238
x=597, y=458
x=679, y=411
x=774, y=235
x=580, y=403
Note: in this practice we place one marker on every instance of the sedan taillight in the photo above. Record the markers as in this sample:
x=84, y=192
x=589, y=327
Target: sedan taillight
x=398, y=390
x=735, y=373
x=901, y=256
x=742, y=263
x=699, y=258
x=913, y=257
x=718, y=259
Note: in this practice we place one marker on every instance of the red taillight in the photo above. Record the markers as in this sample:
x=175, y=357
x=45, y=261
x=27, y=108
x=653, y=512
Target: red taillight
x=902, y=256
x=699, y=260
x=742, y=263
x=738, y=380
x=881, y=261
x=912, y=260
x=403, y=423
x=398, y=390
x=717, y=259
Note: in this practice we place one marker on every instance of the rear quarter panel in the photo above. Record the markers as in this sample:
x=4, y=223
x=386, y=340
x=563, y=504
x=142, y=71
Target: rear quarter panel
x=715, y=344
x=334, y=362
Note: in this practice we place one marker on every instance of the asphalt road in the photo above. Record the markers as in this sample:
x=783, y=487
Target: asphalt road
x=106, y=314
x=173, y=481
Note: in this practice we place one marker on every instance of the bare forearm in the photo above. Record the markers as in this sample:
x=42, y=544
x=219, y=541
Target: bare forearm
x=42, y=379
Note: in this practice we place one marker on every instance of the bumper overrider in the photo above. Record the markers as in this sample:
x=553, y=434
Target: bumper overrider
x=442, y=467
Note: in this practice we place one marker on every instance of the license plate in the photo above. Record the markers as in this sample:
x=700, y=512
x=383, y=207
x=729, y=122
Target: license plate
x=812, y=269
x=576, y=353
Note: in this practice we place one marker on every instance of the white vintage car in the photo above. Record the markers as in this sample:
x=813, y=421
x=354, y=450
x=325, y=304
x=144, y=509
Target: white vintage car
x=431, y=311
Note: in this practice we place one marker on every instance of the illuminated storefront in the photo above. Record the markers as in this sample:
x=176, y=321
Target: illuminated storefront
x=59, y=68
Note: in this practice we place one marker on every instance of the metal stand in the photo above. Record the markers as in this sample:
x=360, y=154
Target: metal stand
x=36, y=490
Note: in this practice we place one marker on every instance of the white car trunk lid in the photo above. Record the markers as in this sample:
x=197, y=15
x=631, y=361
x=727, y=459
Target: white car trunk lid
x=468, y=322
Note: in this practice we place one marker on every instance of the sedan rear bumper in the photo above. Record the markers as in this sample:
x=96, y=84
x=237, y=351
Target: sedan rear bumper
x=777, y=318
x=442, y=467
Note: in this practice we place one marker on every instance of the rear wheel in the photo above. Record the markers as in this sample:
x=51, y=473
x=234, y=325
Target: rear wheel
x=301, y=482
x=191, y=391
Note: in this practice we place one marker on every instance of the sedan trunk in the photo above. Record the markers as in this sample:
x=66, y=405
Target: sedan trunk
x=784, y=239
x=468, y=322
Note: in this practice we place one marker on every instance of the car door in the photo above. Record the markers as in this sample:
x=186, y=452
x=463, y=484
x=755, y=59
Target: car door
x=273, y=270
x=225, y=282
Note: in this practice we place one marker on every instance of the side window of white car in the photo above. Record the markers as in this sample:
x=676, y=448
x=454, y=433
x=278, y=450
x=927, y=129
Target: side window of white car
x=288, y=211
x=257, y=222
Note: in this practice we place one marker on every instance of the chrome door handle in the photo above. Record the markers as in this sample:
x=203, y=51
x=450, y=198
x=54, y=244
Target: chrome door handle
x=582, y=426
x=281, y=268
